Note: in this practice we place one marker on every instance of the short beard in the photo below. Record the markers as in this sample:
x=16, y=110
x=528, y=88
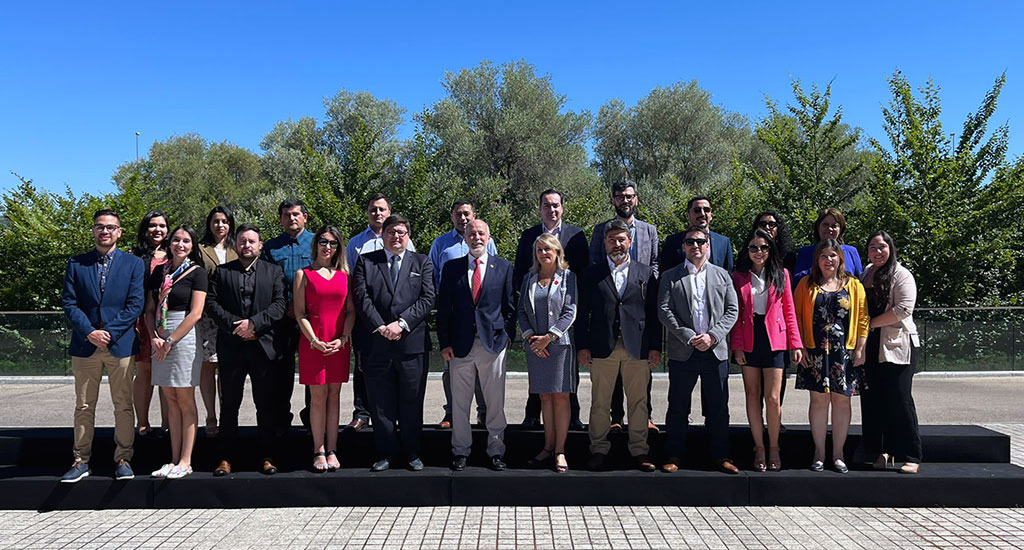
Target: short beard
x=624, y=214
x=616, y=258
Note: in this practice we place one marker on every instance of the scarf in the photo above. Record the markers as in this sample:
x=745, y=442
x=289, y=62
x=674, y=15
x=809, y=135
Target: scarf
x=165, y=290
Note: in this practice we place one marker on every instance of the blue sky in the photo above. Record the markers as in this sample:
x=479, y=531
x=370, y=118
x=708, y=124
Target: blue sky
x=79, y=79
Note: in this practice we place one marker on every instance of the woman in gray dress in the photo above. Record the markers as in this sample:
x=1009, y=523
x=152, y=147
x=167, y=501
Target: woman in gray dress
x=176, y=293
x=547, y=309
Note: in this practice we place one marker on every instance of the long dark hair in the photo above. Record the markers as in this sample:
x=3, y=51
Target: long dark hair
x=841, y=272
x=338, y=259
x=773, y=272
x=783, y=238
x=142, y=247
x=194, y=254
x=208, y=238
x=883, y=275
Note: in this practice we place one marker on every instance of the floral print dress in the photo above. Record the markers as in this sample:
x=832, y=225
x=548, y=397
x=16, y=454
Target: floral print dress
x=831, y=368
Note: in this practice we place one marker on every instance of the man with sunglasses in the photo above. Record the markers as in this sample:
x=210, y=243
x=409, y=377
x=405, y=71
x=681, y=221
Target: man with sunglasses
x=698, y=307
x=698, y=214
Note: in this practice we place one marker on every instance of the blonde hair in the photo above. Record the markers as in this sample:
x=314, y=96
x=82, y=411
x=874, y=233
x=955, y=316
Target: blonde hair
x=552, y=242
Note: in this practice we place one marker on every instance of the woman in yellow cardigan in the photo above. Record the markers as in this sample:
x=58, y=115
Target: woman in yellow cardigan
x=832, y=313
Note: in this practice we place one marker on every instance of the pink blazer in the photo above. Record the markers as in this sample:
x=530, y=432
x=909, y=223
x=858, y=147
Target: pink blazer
x=779, y=318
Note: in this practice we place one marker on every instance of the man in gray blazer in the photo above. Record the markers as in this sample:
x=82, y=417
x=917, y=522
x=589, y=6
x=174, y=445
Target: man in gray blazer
x=697, y=306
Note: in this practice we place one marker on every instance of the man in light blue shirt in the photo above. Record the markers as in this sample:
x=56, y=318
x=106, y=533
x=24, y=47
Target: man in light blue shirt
x=449, y=246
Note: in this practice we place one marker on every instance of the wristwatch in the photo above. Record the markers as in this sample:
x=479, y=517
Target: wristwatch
x=169, y=340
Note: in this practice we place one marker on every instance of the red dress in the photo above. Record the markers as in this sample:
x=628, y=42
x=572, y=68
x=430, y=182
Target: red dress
x=325, y=310
x=145, y=345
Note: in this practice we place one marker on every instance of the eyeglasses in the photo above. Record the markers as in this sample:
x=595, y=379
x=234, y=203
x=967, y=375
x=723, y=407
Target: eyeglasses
x=397, y=232
x=695, y=242
x=768, y=225
x=624, y=197
x=754, y=249
x=699, y=209
x=110, y=228
x=328, y=242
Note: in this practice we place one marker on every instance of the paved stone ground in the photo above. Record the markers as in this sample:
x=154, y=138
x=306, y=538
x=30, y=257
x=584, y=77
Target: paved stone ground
x=978, y=400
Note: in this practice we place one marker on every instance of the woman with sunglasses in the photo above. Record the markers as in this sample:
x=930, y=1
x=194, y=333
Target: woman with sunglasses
x=765, y=330
x=325, y=315
x=771, y=222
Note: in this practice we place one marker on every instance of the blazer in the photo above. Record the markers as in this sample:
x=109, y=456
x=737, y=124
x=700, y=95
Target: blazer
x=210, y=260
x=224, y=306
x=378, y=302
x=492, y=318
x=637, y=310
x=561, y=305
x=574, y=243
x=804, y=297
x=645, y=241
x=674, y=294
x=779, y=317
x=896, y=340
x=114, y=311
x=672, y=252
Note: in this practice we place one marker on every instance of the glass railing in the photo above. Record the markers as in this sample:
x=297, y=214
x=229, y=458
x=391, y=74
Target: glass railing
x=952, y=339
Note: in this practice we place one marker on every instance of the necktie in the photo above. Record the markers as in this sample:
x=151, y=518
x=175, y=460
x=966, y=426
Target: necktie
x=477, y=279
x=395, y=266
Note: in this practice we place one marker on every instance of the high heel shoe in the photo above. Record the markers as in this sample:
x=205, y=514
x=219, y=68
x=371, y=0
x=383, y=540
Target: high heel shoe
x=883, y=461
x=559, y=468
x=759, y=464
x=774, y=462
x=541, y=459
x=909, y=468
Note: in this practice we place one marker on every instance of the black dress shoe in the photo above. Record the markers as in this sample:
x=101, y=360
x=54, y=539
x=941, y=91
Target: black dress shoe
x=416, y=464
x=577, y=425
x=380, y=465
x=497, y=464
x=459, y=463
x=597, y=462
x=530, y=423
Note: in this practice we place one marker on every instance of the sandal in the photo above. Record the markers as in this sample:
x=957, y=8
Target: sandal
x=909, y=468
x=759, y=464
x=560, y=468
x=319, y=462
x=332, y=461
x=840, y=466
x=541, y=459
x=774, y=462
x=178, y=472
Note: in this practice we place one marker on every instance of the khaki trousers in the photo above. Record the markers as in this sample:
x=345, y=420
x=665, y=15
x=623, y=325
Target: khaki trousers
x=88, y=373
x=485, y=370
x=635, y=375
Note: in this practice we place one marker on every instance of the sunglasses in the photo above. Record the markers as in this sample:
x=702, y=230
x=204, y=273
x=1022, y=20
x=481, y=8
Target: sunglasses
x=695, y=242
x=699, y=209
x=328, y=242
x=768, y=225
x=754, y=249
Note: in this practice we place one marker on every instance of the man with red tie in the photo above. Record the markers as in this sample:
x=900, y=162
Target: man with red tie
x=475, y=323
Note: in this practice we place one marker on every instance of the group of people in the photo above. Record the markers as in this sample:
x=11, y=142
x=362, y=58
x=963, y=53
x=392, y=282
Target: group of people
x=180, y=311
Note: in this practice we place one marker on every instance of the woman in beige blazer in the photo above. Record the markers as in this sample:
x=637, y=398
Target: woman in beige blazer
x=216, y=247
x=890, y=418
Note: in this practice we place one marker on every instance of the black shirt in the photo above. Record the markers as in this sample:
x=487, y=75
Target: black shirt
x=180, y=298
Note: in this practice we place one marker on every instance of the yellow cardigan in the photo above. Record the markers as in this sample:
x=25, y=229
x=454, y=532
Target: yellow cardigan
x=804, y=297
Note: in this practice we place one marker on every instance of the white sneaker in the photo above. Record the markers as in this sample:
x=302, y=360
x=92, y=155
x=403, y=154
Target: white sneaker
x=178, y=472
x=163, y=471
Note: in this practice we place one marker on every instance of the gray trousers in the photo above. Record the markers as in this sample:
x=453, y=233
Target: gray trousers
x=489, y=369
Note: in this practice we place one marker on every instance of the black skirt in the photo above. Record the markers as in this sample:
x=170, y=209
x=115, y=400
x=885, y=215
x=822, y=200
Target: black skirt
x=762, y=355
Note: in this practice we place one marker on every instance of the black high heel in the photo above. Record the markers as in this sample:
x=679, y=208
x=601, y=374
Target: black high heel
x=539, y=461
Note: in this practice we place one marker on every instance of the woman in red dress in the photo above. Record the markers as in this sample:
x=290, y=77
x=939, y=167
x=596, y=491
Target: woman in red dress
x=325, y=315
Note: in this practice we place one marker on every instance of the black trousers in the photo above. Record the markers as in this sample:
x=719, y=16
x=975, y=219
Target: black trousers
x=249, y=360
x=360, y=403
x=714, y=391
x=888, y=411
x=395, y=386
x=286, y=378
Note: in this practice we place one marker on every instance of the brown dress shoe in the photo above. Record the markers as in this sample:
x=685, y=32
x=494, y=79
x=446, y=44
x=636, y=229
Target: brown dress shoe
x=728, y=467
x=672, y=465
x=643, y=464
x=223, y=469
x=445, y=423
x=269, y=468
x=357, y=424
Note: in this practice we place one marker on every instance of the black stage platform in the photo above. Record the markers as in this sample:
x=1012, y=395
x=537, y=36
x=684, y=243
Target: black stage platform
x=965, y=466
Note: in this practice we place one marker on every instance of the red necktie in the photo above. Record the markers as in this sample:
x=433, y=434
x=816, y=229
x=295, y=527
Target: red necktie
x=476, y=280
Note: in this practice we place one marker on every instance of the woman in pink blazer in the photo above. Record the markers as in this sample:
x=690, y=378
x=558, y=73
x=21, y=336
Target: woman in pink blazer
x=765, y=330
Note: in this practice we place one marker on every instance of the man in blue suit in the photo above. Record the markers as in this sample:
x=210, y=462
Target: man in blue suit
x=698, y=214
x=102, y=298
x=475, y=324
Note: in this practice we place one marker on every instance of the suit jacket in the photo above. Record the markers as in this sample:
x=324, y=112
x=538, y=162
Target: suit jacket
x=637, y=309
x=114, y=311
x=378, y=302
x=674, y=294
x=492, y=318
x=573, y=241
x=224, y=306
x=210, y=260
x=672, y=253
x=561, y=306
x=645, y=241
x=779, y=316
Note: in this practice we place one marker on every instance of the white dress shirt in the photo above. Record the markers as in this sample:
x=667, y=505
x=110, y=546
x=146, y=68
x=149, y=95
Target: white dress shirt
x=698, y=296
x=619, y=274
x=472, y=268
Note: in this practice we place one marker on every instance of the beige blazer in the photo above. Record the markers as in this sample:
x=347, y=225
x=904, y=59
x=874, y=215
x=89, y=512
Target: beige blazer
x=210, y=260
x=896, y=339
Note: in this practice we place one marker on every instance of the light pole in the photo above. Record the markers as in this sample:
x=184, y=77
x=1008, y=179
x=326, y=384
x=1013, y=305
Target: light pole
x=136, y=147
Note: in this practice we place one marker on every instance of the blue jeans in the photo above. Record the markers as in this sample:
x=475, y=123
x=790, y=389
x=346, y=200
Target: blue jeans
x=714, y=390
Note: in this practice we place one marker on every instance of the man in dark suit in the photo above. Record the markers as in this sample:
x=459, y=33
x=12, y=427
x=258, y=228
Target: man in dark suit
x=619, y=336
x=394, y=291
x=102, y=298
x=574, y=243
x=475, y=324
x=246, y=299
x=698, y=214
x=644, y=250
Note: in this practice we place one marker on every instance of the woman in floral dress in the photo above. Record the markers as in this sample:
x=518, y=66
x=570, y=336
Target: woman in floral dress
x=832, y=314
